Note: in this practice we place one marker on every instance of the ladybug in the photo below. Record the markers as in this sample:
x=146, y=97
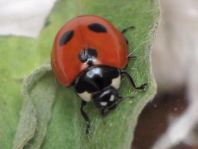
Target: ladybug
x=90, y=54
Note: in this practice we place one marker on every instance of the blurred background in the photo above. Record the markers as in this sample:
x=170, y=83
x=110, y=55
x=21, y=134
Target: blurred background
x=170, y=121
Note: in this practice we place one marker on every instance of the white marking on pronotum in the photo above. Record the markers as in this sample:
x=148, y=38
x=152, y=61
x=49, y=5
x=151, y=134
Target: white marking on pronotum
x=85, y=96
x=116, y=82
x=112, y=98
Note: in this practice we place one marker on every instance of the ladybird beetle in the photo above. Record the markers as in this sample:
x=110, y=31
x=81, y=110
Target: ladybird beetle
x=90, y=54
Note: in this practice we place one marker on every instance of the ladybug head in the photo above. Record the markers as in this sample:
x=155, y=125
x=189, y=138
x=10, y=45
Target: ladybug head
x=106, y=99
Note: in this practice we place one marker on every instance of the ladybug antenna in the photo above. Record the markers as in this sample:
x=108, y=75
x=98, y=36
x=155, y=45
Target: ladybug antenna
x=127, y=29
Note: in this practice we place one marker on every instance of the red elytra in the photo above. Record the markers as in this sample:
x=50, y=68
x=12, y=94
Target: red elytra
x=111, y=48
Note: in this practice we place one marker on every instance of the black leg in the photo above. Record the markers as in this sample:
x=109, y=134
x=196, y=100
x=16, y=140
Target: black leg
x=85, y=116
x=131, y=56
x=123, y=32
x=132, y=82
x=126, y=29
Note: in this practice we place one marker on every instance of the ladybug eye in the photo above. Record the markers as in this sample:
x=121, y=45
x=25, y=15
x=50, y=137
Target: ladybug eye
x=66, y=37
x=96, y=27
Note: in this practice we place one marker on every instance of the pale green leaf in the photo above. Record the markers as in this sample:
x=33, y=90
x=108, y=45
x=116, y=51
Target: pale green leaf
x=66, y=129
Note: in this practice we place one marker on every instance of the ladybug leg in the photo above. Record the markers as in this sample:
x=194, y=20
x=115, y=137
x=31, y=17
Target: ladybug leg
x=85, y=116
x=127, y=42
x=130, y=56
x=142, y=87
x=127, y=29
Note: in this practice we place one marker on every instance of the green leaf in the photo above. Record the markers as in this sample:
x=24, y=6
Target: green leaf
x=39, y=92
x=66, y=129
x=14, y=64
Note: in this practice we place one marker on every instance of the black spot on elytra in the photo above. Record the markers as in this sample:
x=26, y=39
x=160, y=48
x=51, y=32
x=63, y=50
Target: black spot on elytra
x=66, y=37
x=96, y=27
